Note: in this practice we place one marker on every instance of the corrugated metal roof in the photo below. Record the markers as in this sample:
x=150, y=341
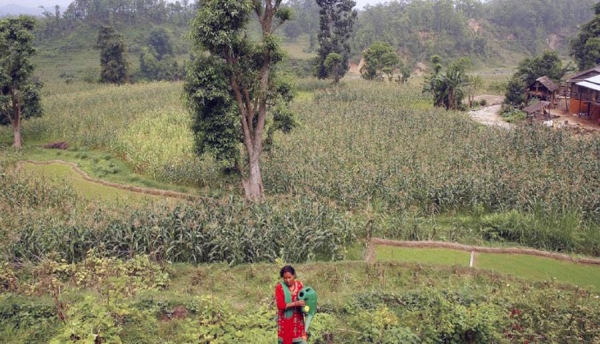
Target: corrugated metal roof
x=581, y=75
x=589, y=85
x=594, y=79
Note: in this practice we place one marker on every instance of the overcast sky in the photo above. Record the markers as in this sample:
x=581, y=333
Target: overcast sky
x=65, y=3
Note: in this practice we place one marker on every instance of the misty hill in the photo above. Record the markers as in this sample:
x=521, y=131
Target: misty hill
x=12, y=10
x=493, y=30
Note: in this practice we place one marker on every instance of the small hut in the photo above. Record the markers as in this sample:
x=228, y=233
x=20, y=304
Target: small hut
x=539, y=108
x=543, y=89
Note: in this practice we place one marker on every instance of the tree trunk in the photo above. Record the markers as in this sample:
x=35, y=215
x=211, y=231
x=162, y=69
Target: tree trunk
x=253, y=186
x=17, y=134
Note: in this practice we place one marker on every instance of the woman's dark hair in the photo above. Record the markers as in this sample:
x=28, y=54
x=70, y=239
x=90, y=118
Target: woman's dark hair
x=287, y=268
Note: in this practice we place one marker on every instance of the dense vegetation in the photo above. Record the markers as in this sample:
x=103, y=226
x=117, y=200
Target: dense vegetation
x=367, y=159
x=137, y=301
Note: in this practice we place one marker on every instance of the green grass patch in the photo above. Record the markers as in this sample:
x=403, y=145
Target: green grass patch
x=61, y=173
x=521, y=266
x=102, y=165
x=425, y=256
x=541, y=269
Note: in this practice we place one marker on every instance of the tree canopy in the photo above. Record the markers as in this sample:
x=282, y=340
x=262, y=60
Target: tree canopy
x=548, y=64
x=381, y=58
x=113, y=56
x=19, y=91
x=233, y=89
x=336, y=22
x=585, y=48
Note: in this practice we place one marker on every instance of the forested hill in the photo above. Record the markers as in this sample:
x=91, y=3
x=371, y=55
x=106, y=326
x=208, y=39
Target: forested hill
x=487, y=30
x=420, y=28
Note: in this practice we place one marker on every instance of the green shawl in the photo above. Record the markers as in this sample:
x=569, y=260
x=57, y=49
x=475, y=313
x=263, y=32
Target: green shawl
x=288, y=299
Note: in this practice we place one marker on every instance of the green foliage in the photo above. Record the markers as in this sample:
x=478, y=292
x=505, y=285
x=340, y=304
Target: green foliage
x=19, y=92
x=515, y=92
x=156, y=60
x=216, y=126
x=333, y=63
x=244, y=77
x=448, y=89
x=548, y=64
x=380, y=59
x=336, y=20
x=113, y=56
x=585, y=48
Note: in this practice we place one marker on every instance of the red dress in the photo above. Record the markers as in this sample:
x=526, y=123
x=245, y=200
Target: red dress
x=292, y=328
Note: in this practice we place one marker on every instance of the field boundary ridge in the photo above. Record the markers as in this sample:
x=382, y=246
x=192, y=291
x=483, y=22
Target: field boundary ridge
x=481, y=249
x=87, y=177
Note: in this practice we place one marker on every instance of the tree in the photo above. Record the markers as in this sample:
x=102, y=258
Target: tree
x=380, y=59
x=448, y=89
x=156, y=60
x=233, y=89
x=333, y=63
x=20, y=92
x=160, y=41
x=336, y=21
x=548, y=64
x=113, y=58
x=405, y=72
x=585, y=48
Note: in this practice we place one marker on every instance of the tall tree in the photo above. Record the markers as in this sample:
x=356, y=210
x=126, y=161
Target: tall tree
x=113, y=57
x=585, y=48
x=19, y=92
x=233, y=89
x=336, y=21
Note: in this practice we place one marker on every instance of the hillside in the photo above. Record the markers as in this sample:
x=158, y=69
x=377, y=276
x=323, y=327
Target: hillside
x=497, y=32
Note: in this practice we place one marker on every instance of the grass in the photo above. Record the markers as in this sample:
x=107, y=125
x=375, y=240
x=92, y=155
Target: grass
x=99, y=164
x=60, y=173
x=297, y=49
x=521, y=266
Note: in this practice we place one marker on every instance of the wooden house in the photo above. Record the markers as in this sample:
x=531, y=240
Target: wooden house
x=578, y=93
x=543, y=89
x=588, y=98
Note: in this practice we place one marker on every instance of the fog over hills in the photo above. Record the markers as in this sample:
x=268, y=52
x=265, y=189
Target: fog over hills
x=31, y=7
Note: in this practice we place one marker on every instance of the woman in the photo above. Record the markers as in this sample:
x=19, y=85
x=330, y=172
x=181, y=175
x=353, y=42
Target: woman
x=289, y=314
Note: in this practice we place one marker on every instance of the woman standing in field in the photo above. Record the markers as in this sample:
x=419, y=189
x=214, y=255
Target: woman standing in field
x=290, y=319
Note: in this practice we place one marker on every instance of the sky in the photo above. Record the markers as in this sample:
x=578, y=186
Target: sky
x=65, y=3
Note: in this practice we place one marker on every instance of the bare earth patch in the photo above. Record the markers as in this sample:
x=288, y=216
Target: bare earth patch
x=489, y=116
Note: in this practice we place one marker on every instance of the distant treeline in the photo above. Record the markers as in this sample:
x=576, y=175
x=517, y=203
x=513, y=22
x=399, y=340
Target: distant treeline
x=417, y=28
x=421, y=28
x=127, y=12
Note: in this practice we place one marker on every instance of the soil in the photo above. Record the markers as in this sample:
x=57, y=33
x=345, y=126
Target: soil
x=559, y=117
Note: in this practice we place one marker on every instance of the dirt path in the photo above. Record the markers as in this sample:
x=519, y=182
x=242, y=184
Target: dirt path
x=489, y=116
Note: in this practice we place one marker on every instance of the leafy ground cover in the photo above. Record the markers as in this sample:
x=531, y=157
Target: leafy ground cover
x=139, y=301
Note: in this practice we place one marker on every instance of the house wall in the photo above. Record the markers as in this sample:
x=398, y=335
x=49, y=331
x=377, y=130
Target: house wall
x=574, y=108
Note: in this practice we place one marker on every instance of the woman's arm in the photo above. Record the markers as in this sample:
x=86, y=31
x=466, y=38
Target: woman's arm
x=280, y=299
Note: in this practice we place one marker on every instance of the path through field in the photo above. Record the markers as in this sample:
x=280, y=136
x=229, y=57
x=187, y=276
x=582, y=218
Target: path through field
x=489, y=115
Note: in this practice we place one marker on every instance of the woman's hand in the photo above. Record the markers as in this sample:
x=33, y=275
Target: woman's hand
x=299, y=303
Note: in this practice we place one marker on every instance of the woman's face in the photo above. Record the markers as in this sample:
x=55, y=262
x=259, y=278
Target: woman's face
x=288, y=279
